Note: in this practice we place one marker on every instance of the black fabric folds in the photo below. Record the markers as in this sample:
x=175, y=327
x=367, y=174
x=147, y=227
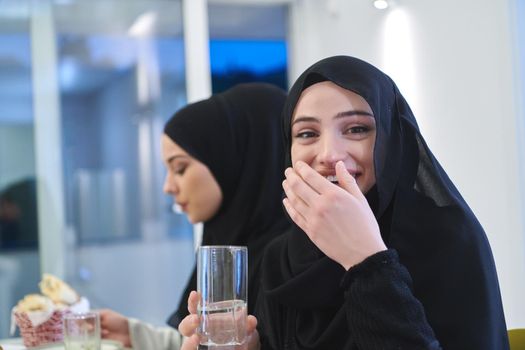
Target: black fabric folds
x=237, y=135
x=421, y=215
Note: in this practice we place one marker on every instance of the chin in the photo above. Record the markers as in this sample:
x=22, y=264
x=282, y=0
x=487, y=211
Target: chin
x=193, y=220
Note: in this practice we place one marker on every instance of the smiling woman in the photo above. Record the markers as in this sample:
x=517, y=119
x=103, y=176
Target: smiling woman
x=386, y=243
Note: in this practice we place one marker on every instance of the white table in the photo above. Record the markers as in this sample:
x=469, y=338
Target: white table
x=16, y=344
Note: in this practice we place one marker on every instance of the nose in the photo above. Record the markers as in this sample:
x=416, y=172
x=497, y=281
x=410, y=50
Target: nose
x=331, y=151
x=170, y=185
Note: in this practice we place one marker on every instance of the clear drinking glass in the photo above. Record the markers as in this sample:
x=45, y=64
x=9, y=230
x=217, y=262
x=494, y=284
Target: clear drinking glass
x=222, y=281
x=82, y=331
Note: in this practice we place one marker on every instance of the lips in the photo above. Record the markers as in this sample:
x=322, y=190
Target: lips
x=180, y=207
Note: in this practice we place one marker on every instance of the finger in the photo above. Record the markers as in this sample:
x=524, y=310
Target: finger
x=297, y=203
x=294, y=215
x=317, y=182
x=253, y=341
x=300, y=187
x=193, y=301
x=190, y=343
x=103, y=313
x=251, y=323
x=188, y=325
x=347, y=181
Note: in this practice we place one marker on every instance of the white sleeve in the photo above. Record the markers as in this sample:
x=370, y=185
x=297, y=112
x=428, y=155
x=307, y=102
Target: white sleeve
x=146, y=337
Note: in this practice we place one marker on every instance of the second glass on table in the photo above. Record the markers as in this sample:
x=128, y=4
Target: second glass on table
x=222, y=281
x=82, y=331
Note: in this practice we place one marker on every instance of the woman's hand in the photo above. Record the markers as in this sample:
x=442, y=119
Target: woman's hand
x=190, y=323
x=114, y=326
x=338, y=220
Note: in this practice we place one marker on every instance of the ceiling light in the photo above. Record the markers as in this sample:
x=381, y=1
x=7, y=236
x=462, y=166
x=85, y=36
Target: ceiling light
x=380, y=4
x=144, y=25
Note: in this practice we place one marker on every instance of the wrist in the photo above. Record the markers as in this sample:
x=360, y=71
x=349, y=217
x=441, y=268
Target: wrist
x=347, y=265
x=377, y=263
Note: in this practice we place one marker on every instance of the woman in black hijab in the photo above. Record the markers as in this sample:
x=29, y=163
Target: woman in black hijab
x=237, y=135
x=404, y=266
x=233, y=141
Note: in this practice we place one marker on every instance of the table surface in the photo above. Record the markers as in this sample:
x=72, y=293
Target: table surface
x=17, y=344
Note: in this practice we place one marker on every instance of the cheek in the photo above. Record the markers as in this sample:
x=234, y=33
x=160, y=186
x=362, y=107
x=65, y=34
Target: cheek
x=207, y=196
x=369, y=164
x=301, y=152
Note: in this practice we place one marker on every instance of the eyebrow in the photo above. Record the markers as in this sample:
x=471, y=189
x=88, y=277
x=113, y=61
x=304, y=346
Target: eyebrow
x=337, y=116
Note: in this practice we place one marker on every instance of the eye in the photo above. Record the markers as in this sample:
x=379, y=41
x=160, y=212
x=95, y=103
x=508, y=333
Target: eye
x=180, y=170
x=360, y=129
x=305, y=134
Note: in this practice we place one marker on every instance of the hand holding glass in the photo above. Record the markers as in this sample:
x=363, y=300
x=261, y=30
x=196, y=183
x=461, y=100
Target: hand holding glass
x=82, y=331
x=222, y=281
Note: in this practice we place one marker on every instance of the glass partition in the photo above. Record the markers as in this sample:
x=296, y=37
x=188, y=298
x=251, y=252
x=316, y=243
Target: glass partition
x=19, y=264
x=120, y=74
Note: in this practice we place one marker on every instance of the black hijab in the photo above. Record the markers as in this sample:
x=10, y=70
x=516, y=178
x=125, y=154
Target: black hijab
x=237, y=135
x=421, y=215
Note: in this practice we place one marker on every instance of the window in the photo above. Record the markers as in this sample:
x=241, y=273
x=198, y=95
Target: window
x=247, y=44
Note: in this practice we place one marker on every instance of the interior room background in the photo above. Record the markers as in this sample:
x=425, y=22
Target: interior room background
x=86, y=86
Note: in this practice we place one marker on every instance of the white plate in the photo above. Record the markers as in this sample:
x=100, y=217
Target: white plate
x=13, y=347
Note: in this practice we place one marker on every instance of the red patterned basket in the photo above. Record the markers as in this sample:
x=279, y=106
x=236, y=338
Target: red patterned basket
x=48, y=332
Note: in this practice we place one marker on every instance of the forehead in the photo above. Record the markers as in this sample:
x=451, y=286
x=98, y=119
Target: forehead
x=327, y=98
x=170, y=148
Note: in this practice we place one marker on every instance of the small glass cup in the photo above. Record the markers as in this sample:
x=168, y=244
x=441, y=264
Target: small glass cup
x=222, y=281
x=82, y=331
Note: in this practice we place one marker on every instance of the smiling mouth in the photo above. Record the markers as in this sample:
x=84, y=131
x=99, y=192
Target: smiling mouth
x=332, y=179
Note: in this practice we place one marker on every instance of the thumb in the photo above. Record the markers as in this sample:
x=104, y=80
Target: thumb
x=346, y=180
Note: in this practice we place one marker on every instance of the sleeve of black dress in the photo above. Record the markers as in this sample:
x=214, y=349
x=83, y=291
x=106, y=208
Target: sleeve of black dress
x=270, y=323
x=381, y=309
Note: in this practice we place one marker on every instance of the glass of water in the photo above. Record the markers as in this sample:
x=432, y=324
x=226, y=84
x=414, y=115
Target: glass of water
x=82, y=331
x=222, y=281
